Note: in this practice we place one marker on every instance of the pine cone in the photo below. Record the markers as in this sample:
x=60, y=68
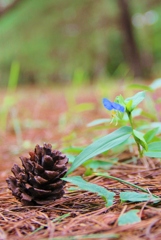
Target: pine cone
x=38, y=182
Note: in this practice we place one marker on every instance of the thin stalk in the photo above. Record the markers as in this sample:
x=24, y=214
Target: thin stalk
x=124, y=182
x=132, y=125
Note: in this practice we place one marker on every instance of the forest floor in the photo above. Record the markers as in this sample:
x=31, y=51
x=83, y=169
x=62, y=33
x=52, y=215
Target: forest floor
x=49, y=115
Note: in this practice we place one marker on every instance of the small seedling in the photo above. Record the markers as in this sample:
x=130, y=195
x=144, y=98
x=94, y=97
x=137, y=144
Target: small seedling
x=122, y=106
x=147, y=144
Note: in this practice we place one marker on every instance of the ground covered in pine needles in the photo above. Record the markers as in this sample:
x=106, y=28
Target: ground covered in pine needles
x=49, y=116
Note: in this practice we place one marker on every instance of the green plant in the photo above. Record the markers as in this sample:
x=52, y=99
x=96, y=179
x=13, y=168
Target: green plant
x=9, y=99
x=148, y=144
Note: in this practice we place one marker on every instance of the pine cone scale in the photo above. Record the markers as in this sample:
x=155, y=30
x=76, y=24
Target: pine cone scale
x=47, y=162
x=56, y=185
x=38, y=182
x=51, y=174
x=19, y=174
x=38, y=169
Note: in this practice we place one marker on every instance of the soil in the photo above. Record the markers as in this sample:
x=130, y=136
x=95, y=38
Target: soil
x=49, y=115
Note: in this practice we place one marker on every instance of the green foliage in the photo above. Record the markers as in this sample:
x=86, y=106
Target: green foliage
x=141, y=87
x=72, y=46
x=101, y=191
x=73, y=149
x=101, y=145
x=9, y=99
x=148, y=136
x=156, y=84
x=97, y=164
x=140, y=139
x=89, y=236
x=98, y=121
x=122, y=181
x=129, y=217
x=60, y=47
x=132, y=102
x=13, y=78
x=147, y=142
x=154, y=150
x=137, y=197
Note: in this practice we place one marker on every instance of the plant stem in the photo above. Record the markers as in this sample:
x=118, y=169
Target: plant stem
x=130, y=119
x=124, y=182
x=132, y=125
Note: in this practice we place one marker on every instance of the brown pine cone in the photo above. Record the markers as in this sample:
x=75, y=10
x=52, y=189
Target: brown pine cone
x=39, y=181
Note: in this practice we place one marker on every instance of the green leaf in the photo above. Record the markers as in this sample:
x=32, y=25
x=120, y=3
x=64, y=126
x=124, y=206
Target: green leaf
x=136, y=99
x=148, y=136
x=95, y=164
x=89, y=236
x=137, y=197
x=129, y=105
x=98, y=236
x=119, y=99
x=91, y=187
x=73, y=149
x=151, y=125
x=88, y=172
x=140, y=138
x=14, y=75
x=70, y=157
x=141, y=87
x=101, y=145
x=129, y=217
x=154, y=150
x=156, y=84
x=155, y=146
x=98, y=122
x=122, y=181
x=153, y=154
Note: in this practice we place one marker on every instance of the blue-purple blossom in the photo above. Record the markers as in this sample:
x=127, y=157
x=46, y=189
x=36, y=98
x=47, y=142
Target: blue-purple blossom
x=112, y=105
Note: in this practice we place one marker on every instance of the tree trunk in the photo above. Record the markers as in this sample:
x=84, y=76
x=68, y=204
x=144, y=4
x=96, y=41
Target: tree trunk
x=130, y=47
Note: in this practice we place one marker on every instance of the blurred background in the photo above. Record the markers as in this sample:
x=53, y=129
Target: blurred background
x=66, y=41
x=59, y=58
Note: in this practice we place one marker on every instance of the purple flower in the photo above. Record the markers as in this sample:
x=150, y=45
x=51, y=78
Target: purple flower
x=112, y=105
